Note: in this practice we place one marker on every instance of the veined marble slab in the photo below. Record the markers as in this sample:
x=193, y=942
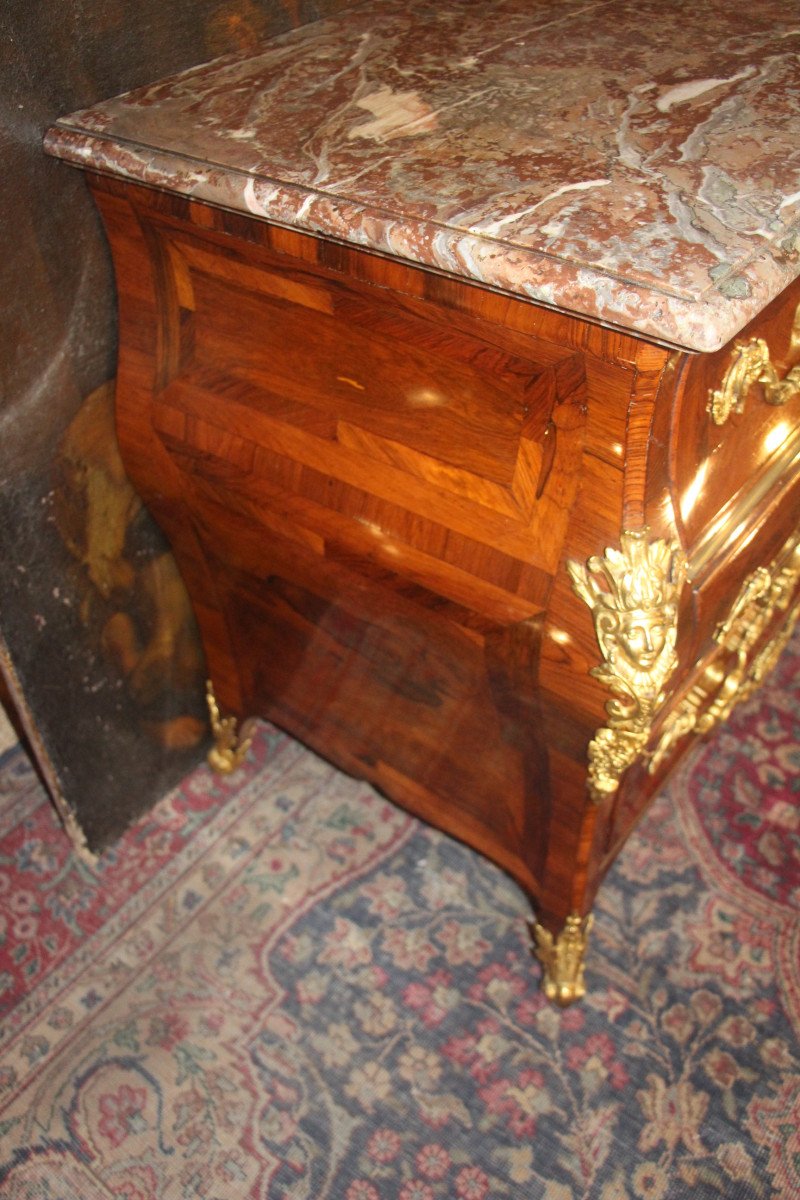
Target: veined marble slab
x=637, y=163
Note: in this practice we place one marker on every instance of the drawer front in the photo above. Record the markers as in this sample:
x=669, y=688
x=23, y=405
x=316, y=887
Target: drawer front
x=758, y=618
x=735, y=436
x=746, y=646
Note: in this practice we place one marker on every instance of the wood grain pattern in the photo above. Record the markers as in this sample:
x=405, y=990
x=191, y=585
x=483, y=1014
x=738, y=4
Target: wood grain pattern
x=373, y=477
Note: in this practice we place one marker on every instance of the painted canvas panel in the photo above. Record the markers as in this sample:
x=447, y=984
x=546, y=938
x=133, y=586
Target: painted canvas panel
x=97, y=641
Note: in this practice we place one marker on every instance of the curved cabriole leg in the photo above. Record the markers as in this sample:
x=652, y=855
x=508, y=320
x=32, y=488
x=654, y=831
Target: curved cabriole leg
x=230, y=746
x=562, y=959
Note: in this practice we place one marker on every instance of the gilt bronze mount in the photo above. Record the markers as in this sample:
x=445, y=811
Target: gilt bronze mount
x=738, y=666
x=230, y=745
x=562, y=959
x=633, y=593
x=751, y=363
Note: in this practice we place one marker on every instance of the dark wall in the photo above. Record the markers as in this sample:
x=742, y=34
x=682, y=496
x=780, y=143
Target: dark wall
x=96, y=638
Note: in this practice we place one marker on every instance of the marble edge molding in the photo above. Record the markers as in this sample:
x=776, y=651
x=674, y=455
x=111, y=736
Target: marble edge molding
x=704, y=323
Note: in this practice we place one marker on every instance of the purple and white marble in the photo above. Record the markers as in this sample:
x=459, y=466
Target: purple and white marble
x=634, y=163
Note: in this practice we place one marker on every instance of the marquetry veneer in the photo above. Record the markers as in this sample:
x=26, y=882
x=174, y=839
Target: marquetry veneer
x=390, y=493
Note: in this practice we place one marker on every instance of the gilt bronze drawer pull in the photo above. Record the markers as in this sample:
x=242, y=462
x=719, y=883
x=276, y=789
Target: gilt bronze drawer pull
x=751, y=364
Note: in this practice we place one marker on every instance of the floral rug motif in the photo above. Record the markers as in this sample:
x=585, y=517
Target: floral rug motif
x=279, y=986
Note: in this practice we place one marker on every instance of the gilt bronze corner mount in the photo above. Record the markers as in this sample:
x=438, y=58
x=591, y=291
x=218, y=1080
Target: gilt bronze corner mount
x=562, y=959
x=633, y=594
x=230, y=745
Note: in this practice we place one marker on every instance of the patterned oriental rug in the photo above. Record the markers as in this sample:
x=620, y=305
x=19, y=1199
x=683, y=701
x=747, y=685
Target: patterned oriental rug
x=280, y=986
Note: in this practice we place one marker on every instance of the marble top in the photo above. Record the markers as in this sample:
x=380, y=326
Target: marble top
x=633, y=161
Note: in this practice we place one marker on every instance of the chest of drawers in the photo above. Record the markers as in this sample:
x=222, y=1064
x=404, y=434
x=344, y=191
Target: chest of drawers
x=468, y=399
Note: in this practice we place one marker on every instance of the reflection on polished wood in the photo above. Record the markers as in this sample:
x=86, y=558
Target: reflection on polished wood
x=391, y=495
